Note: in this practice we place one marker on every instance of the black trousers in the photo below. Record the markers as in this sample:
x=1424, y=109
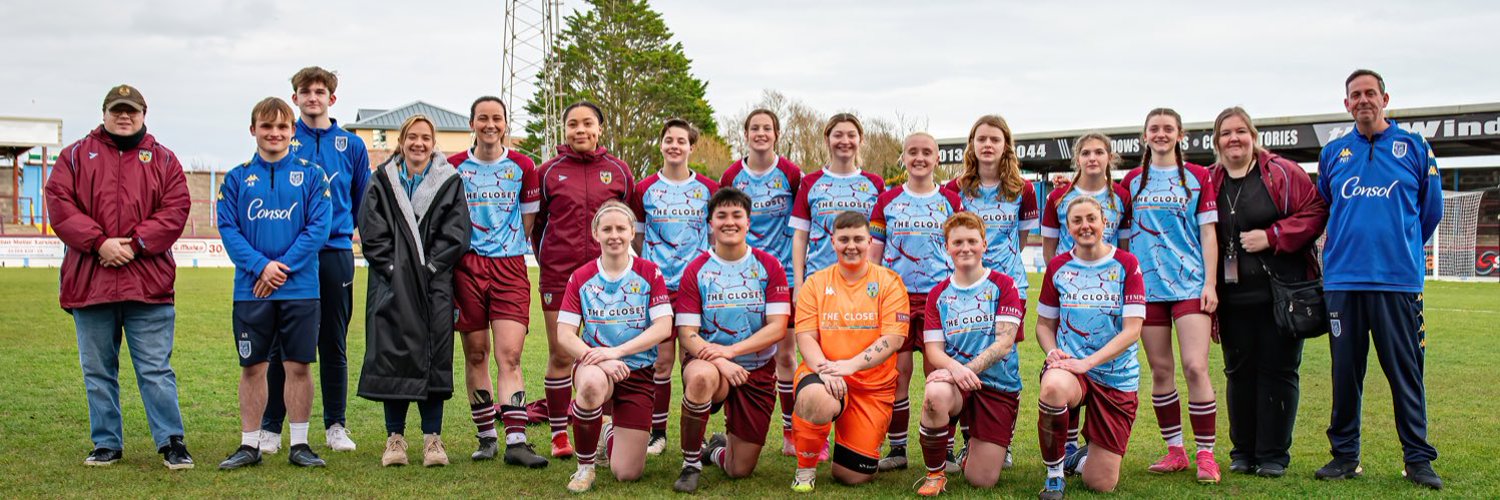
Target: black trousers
x=1393, y=321
x=1260, y=365
x=431, y=410
x=336, y=287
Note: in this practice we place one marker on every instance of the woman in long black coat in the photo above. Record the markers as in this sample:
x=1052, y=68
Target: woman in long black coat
x=414, y=227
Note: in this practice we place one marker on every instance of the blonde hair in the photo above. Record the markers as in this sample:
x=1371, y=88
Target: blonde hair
x=612, y=206
x=1243, y=115
x=1082, y=200
x=406, y=127
x=1011, y=182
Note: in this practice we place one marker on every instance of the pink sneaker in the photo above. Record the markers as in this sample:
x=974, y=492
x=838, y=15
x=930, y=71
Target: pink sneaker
x=1208, y=468
x=1175, y=460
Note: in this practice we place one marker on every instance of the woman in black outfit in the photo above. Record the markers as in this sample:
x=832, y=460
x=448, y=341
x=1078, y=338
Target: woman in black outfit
x=1270, y=215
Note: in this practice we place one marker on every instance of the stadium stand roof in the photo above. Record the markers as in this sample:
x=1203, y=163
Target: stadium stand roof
x=391, y=119
x=1454, y=131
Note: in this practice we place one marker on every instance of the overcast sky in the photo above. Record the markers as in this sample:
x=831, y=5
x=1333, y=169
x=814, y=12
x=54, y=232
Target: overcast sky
x=202, y=64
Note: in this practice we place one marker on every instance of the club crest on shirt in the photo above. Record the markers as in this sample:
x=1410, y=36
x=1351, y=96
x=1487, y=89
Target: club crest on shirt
x=635, y=287
x=295, y=178
x=340, y=143
x=606, y=177
x=872, y=290
x=1398, y=149
x=144, y=156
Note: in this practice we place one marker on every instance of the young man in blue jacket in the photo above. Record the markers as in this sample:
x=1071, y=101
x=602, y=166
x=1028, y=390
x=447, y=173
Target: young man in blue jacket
x=1385, y=199
x=274, y=217
x=346, y=168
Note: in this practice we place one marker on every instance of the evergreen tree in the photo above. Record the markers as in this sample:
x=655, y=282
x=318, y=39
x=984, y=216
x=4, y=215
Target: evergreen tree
x=620, y=55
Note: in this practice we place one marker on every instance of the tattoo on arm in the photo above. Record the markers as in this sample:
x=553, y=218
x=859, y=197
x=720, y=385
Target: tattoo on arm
x=876, y=348
x=1004, y=340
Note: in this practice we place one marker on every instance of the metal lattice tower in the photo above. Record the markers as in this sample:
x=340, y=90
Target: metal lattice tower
x=530, y=28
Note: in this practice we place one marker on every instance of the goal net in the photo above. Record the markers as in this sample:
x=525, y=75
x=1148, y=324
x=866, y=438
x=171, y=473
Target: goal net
x=1450, y=254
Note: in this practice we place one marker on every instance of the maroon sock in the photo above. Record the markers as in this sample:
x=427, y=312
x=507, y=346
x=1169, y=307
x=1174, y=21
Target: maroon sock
x=1202, y=416
x=934, y=446
x=483, y=414
x=718, y=457
x=694, y=421
x=1168, y=417
x=514, y=418
x=785, y=391
x=1075, y=427
x=586, y=424
x=900, y=422
x=661, y=405
x=559, y=392
x=1052, y=432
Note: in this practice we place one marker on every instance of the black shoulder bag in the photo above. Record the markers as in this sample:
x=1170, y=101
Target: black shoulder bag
x=1298, y=306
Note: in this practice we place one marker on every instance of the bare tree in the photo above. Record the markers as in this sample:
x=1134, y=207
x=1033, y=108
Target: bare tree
x=801, y=130
x=711, y=157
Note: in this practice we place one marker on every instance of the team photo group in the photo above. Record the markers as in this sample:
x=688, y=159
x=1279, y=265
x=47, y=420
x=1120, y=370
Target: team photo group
x=769, y=295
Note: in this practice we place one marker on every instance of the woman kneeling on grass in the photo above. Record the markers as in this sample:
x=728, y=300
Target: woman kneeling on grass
x=731, y=313
x=414, y=225
x=973, y=321
x=1091, y=310
x=614, y=313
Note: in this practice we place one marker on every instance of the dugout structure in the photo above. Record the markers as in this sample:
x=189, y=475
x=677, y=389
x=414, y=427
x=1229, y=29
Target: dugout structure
x=18, y=135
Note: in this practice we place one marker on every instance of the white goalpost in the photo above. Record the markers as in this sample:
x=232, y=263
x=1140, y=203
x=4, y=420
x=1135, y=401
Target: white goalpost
x=1452, y=246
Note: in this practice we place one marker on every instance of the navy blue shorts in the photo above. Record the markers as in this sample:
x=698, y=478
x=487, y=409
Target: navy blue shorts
x=291, y=325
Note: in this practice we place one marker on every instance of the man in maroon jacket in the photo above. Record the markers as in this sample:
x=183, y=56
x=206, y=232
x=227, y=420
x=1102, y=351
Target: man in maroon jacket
x=119, y=200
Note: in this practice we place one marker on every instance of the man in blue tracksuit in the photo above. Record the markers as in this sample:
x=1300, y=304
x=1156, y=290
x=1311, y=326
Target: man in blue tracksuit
x=273, y=215
x=1384, y=199
x=346, y=168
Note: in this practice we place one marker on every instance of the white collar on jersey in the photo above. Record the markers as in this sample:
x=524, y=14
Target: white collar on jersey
x=1091, y=263
x=715, y=256
x=504, y=153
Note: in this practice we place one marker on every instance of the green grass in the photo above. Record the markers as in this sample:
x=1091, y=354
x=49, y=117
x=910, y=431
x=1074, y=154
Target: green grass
x=44, y=420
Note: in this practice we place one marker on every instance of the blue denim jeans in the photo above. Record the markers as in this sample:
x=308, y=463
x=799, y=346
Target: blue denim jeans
x=149, y=329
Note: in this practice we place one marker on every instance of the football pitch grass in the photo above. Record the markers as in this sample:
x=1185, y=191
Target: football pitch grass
x=44, y=421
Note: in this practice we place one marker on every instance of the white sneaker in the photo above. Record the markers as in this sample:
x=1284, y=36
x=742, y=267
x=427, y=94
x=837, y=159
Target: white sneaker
x=601, y=455
x=270, y=442
x=803, y=481
x=338, y=438
x=657, y=445
x=582, y=479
